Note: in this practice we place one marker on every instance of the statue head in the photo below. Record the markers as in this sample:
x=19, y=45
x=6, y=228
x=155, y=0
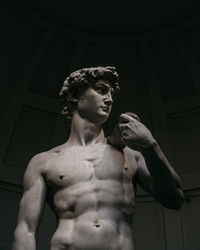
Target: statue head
x=81, y=80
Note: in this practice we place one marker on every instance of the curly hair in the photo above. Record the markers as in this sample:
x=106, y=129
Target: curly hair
x=79, y=81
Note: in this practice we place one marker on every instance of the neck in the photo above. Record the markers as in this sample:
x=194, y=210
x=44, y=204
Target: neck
x=83, y=132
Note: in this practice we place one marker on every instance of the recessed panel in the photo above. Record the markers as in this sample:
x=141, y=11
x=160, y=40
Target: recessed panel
x=173, y=77
x=32, y=134
x=128, y=62
x=8, y=215
x=174, y=229
x=192, y=36
x=193, y=221
x=147, y=231
x=184, y=133
x=182, y=227
x=54, y=67
x=9, y=209
x=19, y=38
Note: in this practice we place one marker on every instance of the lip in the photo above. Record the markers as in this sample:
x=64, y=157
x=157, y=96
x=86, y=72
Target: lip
x=105, y=108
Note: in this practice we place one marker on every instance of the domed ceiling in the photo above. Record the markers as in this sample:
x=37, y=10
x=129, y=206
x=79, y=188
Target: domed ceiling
x=115, y=16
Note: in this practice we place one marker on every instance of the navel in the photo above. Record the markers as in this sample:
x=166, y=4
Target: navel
x=72, y=208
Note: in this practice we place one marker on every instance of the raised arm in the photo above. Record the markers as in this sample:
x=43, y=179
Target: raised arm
x=154, y=172
x=31, y=207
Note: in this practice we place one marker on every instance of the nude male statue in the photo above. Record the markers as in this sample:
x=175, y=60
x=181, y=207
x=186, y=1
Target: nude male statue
x=89, y=181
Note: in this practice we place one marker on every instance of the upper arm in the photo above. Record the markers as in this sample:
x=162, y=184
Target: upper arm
x=32, y=201
x=142, y=176
x=164, y=189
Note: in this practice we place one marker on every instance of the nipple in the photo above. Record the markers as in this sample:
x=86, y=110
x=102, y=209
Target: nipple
x=72, y=208
x=96, y=224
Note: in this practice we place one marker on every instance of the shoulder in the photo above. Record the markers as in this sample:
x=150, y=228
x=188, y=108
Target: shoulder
x=35, y=165
x=133, y=154
x=33, y=171
x=44, y=157
x=38, y=159
x=135, y=158
x=38, y=163
x=114, y=151
x=56, y=149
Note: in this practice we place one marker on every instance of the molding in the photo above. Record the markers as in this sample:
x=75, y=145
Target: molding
x=61, y=59
x=156, y=102
x=188, y=59
x=22, y=116
x=190, y=193
x=167, y=70
x=28, y=13
x=181, y=104
x=21, y=91
x=11, y=187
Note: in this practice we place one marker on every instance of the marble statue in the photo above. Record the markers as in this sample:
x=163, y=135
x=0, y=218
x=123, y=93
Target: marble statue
x=89, y=181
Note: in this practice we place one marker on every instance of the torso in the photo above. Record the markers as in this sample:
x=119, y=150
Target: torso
x=91, y=192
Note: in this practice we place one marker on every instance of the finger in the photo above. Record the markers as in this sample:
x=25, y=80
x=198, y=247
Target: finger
x=124, y=118
x=131, y=114
x=123, y=126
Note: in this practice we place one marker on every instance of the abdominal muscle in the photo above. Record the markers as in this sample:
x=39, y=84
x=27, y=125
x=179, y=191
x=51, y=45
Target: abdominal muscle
x=88, y=233
x=101, y=223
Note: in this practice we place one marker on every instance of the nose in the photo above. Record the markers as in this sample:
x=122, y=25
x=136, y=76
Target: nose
x=108, y=99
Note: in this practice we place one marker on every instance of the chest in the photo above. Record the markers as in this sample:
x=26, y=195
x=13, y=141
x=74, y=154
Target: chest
x=86, y=164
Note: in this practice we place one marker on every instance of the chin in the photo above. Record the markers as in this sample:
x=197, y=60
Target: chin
x=101, y=119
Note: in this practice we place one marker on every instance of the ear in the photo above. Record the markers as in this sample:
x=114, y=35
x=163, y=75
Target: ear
x=73, y=99
x=81, y=98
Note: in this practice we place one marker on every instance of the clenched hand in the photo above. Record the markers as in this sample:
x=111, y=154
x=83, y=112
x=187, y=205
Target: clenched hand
x=135, y=134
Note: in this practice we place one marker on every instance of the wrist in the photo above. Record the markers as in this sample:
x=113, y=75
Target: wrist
x=152, y=143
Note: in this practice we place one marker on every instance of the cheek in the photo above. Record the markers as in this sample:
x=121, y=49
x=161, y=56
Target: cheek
x=88, y=104
x=93, y=101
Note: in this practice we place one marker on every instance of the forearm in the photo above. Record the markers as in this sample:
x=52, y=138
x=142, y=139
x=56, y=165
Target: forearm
x=166, y=184
x=23, y=239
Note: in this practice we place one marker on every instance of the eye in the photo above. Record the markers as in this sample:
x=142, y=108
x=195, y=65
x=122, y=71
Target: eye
x=101, y=89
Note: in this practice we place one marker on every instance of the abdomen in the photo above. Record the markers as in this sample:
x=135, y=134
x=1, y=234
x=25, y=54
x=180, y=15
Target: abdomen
x=89, y=235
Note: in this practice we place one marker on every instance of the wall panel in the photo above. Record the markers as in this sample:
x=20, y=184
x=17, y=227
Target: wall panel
x=148, y=226
x=194, y=221
x=15, y=51
x=8, y=214
x=9, y=208
x=173, y=77
x=192, y=36
x=32, y=134
x=54, y=67
x=184, y=134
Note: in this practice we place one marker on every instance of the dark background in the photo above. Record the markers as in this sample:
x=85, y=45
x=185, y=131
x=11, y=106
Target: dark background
x=155, y=47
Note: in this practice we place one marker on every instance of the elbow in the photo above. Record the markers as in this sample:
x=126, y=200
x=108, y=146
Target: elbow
x=23, y=239
x=23, y=232
x=175, y=203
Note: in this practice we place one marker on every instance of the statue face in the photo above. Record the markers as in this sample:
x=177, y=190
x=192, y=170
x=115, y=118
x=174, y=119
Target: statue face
x=96, y=102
